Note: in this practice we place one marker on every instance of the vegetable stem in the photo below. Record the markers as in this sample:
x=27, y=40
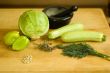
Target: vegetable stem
x=81, y=50
x=102, y=55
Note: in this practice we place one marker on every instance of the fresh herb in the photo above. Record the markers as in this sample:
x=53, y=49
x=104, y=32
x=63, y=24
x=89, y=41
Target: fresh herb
x=81, y=50
x=45, y=46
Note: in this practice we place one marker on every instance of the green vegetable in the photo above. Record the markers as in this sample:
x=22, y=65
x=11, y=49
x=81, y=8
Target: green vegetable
x=81, y=50
x=45, y=46
x=33, y=24
x=10, y=37
x=58, y=32
x=82, y=36
x=21, y=43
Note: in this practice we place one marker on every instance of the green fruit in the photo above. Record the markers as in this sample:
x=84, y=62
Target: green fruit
x=10, y=37
x=21, y=43
x=60, y=31
x=33, y=24
x=78, y=36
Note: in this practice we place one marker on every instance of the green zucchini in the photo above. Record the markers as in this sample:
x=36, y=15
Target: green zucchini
x=58, y=32
x=76, y=36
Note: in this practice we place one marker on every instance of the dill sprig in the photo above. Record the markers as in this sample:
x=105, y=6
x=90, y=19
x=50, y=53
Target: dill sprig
x=81, y=50
x=45, y=46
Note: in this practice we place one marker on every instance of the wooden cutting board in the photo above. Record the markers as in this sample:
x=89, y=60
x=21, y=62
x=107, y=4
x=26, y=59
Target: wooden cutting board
x=46, y=62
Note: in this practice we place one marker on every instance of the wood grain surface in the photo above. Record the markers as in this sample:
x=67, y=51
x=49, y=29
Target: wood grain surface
x=54, y=62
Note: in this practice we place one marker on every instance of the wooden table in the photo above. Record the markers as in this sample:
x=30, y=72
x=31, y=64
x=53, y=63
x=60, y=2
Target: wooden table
x=46, y=62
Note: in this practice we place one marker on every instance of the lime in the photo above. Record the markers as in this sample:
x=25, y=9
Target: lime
x=21, y=43
x=10, y=37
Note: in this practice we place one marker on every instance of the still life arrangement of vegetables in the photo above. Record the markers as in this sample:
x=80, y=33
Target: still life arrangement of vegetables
x=35, y=24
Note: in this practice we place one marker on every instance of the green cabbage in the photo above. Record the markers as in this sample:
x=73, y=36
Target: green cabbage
x=33, y=24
